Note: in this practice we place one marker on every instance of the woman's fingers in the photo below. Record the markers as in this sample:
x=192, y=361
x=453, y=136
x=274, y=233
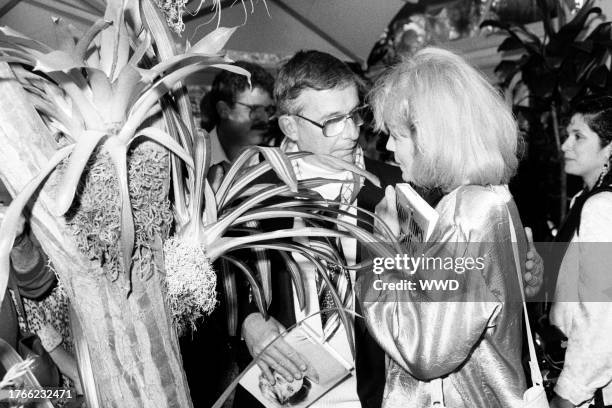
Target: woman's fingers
x=265, y=369
x=387, y=210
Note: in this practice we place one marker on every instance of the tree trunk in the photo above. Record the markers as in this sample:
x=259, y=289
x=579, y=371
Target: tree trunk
x=134, y=350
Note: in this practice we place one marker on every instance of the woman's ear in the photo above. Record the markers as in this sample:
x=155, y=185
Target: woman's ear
x=287, y=125
x=223, y=109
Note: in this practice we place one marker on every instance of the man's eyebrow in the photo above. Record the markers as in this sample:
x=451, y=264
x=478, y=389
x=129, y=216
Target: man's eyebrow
x=338, y=113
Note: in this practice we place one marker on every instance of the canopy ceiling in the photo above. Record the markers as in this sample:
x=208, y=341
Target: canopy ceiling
x=345, y=28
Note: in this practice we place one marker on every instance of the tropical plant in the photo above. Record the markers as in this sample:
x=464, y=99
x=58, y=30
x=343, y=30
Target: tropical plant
x=550, y=74
x=86, y=131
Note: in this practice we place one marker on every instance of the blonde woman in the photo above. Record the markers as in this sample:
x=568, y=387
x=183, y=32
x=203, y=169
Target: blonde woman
x=450, y=130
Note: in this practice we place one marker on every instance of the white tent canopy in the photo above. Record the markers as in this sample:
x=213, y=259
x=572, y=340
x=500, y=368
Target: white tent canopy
x=345, y=28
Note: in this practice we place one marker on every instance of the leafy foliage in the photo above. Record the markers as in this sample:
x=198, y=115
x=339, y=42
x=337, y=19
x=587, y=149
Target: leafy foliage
x=544, y=77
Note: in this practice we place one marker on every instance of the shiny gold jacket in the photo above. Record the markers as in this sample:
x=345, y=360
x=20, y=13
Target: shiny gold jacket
x=470, y=337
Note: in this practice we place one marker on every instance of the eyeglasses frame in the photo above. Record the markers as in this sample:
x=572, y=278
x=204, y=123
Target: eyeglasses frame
x=252, y=109
x=344, y=117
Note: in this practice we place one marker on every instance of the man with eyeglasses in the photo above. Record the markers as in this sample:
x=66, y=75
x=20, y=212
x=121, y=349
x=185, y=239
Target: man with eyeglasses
x=321, y=112
x=240, y=113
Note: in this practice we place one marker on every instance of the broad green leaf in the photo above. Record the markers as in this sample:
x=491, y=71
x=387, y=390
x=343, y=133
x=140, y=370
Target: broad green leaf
x=65, y=38
x=80, y=98
x=58, y=61
x=163, y=139
x=71, y=126
x=101, y=90
x=8, y=229
x=81, y=154
x=85, y=41
x=214, y=42
x=124, y=89
x=118, y=154
x=141, y=49
x=183, y=60
x=11, y=36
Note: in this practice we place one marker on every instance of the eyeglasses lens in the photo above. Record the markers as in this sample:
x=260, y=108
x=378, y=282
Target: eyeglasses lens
x=260, y=111
x=335, y=126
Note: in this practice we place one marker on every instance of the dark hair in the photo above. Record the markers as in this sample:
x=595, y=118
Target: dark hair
x=597, y=114
x=227, y=85
x=311, y=70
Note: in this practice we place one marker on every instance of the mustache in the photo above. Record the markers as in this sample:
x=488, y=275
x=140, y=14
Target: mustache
x=260, y=126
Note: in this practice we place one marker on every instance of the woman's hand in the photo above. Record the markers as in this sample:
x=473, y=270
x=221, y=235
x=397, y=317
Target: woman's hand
x=387, y=211
x=534, y=267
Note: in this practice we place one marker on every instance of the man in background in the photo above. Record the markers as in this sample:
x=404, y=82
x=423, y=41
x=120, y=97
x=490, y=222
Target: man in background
x=240, y=114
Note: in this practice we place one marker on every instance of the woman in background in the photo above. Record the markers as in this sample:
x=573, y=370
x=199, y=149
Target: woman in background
x=584, y=285
x=450, y=130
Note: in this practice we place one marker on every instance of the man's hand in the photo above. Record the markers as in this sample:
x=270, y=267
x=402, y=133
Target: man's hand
x=534, y=268
x=280, y=356
x=558, y=402
x=387, y=211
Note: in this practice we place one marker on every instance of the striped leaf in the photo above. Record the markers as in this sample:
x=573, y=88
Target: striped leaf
x=223, y=245
x=258, y=294
x=230, y=292
x=274, y=156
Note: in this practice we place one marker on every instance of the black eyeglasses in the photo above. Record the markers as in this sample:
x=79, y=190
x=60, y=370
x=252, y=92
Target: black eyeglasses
x=258, y=111
x=334, y=126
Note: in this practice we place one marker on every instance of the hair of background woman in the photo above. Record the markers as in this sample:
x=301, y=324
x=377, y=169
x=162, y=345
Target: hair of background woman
x=465, y=132
x=597, y=114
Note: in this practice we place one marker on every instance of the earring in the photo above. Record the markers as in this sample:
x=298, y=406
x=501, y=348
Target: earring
x=603, y=174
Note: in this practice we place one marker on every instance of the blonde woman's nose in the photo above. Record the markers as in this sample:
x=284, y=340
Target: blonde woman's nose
x=390, y=144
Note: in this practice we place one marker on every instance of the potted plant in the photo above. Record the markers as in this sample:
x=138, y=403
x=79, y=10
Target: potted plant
x=95, y=135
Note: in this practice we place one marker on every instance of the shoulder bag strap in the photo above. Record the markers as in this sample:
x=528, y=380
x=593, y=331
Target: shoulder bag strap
x=536, y=375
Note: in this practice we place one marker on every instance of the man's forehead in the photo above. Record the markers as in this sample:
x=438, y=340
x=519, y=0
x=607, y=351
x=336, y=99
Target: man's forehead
x=249, y=95
x=328, y=101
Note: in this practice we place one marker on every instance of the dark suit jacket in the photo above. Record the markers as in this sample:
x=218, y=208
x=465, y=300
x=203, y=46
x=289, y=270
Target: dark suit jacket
x=370, y=359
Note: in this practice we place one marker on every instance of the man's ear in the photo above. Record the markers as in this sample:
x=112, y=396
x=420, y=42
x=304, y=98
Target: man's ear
x=287, y=125
x=223, y=109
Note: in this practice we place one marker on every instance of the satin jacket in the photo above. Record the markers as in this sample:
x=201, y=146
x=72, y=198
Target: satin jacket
x=470, y=337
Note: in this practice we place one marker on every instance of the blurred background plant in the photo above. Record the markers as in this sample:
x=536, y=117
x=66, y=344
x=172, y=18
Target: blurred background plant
x=543, y=77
